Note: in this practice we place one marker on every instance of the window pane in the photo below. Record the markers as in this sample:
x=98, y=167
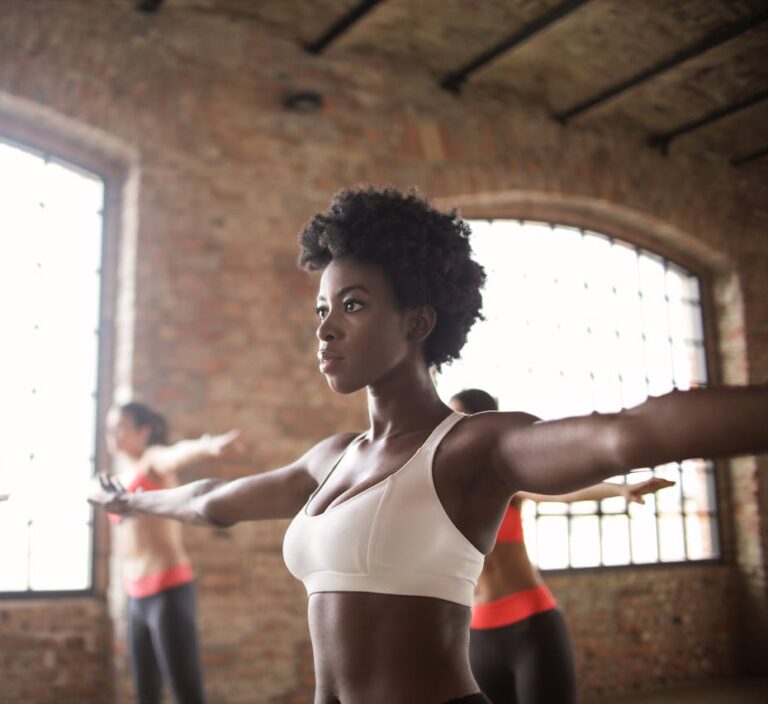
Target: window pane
x=553, y=542
x=552, y=507
x=643, y=534
x=585, y=541
x=668, y=500
x=14, y=549
x=701, y=537
x=57, y=558
x=698, y=485
x=614, y=504
x=672, y=544
x=583, y=507
x=615, y=537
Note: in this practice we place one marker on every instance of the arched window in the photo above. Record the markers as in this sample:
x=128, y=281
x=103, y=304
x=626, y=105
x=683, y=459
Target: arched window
x=577, y=321
x=51, y=228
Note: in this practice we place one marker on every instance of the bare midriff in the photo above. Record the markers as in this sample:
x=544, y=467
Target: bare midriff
x=147, y=545
x=423, y=640
x=507, y=570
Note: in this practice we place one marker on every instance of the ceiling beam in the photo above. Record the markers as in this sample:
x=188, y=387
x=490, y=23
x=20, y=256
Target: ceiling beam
x=746, y=158
x=711, y=41
x=148, y=5
x=454, y=80
x=341, y=26
x=662, y=140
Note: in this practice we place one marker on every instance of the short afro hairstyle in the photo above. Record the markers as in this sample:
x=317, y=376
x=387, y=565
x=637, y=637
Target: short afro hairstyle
x=423, y=252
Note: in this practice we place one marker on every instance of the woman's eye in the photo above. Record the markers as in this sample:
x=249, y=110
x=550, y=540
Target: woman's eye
x=351, y=306
x=321, y=312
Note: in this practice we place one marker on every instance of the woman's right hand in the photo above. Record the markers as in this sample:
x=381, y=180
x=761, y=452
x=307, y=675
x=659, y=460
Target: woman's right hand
x=633, y=493
x=110, y=495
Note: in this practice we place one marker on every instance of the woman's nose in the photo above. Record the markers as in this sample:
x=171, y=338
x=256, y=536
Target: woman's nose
x=327, y=330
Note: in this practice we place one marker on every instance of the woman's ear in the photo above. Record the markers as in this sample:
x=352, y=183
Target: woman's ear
x=421, y=323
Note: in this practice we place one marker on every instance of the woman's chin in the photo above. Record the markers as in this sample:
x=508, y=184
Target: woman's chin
x=339, y=386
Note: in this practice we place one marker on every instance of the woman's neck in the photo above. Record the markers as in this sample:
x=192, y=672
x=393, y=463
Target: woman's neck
x=405, y=404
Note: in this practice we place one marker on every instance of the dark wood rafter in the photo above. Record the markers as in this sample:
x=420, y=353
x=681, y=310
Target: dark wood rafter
x=148, y=5
x=664, y=139
x=752, y=156
x=341, y=26
x=706, y=44
x=454, y=80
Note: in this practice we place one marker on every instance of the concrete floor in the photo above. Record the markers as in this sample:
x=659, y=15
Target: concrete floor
x=737, y=691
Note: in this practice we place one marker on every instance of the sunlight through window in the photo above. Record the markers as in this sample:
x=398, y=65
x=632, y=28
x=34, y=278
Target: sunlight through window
x=51, y=239
x=577, y=322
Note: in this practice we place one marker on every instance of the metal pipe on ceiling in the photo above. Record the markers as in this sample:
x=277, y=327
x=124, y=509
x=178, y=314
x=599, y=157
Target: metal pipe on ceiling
x=752, y=156
x=708, y=43
x=454, y=80
x=662, y=140
x=341, y=26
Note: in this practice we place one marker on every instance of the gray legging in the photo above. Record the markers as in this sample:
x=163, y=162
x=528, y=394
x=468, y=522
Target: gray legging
x=526, y=662
x=163, y=645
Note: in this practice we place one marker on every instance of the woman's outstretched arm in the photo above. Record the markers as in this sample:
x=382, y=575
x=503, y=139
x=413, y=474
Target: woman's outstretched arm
x=555, y=457
x=279, y=493
x=632, y=493
x=172, y=458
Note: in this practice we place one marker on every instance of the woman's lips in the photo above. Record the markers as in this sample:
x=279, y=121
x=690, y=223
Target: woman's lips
x=328, y=361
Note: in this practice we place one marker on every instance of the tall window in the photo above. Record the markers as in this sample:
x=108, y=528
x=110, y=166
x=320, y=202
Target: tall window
x=578, y=322
x=50, y=259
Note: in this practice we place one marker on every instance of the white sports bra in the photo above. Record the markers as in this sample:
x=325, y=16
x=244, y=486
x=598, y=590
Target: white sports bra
x=392, y=538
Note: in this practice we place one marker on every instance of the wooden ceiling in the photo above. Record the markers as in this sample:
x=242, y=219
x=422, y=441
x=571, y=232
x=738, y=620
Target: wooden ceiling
x=682, y=74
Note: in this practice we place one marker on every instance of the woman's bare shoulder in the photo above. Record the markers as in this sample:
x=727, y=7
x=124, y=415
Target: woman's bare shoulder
x=474, y=440
x=319, y=459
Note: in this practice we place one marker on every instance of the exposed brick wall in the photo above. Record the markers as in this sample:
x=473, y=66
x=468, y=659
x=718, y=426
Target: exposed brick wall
x=55, y=653
x=660, y=624
x=220, y=331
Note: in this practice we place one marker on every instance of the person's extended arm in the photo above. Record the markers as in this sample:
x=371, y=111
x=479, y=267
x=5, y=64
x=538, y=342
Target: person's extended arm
x=603, y=490
x=172, y=458
x=213, y=502
x=556, y=457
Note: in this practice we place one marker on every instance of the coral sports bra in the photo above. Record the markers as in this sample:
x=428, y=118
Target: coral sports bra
x=141, y=482
x=511, y=528
x=392, y=538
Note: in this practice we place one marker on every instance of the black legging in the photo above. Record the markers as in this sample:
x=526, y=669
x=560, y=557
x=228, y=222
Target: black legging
x=528, y=662
x=162, y=640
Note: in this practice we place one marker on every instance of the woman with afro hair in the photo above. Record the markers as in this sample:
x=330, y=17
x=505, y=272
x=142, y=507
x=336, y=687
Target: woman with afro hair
x=391, y=525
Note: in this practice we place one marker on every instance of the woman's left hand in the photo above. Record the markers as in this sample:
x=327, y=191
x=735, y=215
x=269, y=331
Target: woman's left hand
x=229, y=444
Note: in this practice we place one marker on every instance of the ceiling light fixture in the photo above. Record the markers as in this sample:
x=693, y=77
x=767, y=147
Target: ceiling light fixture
x=303, y=101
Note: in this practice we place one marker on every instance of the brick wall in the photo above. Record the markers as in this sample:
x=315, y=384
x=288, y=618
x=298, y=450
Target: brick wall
x=215, y=324
x=54, y=653
x=659, y=624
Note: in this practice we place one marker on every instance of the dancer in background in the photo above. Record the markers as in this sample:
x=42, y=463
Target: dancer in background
x=162, y=632
x=519, y=646
x=391, y=525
